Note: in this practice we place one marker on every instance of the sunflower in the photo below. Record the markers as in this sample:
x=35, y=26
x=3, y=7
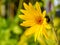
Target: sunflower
x=34, y=19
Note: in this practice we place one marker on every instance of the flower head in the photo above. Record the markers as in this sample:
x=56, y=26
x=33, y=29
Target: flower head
x=35, y=19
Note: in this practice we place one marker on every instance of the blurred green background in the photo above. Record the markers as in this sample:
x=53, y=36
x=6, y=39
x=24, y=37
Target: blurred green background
x=10, y=30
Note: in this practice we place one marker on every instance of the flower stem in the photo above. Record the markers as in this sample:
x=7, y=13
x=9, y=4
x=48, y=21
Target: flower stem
x=20, y=6
x=53, y=29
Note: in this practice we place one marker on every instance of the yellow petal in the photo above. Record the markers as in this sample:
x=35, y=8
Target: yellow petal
x=26, y=17
x=36, y=36
x=48, y=26
x=38, y=7
x=30, y=10
x=31, y=30
x=38, y=32
x=44, y=13
x=34, y=11
x=28, y=13
x=31, y=7
x=24, y=12
x=26, y=6
x=45, y=33
x=28, y=23
x=23, y=17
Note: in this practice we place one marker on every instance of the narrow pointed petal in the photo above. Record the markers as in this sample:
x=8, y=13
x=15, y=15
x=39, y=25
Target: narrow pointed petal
x=31, y=7
x=30, y=31
x=24, y=12
x=26, y=6
x=28, y=23
x=38, y=32
x=36, y=36
x=26, y=17
x=23, y=17
x=38, y=7
x=33, y=10
x=28, y=13
x=45, y=34
x=48, y=26
x=44, y=13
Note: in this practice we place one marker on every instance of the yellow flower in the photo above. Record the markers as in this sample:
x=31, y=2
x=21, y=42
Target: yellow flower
x=34, y=19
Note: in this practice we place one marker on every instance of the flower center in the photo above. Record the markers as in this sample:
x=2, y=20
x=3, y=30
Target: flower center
x=39, y=20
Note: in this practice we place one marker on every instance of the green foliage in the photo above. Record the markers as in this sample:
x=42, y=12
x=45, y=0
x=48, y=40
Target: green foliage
x=9, y=32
